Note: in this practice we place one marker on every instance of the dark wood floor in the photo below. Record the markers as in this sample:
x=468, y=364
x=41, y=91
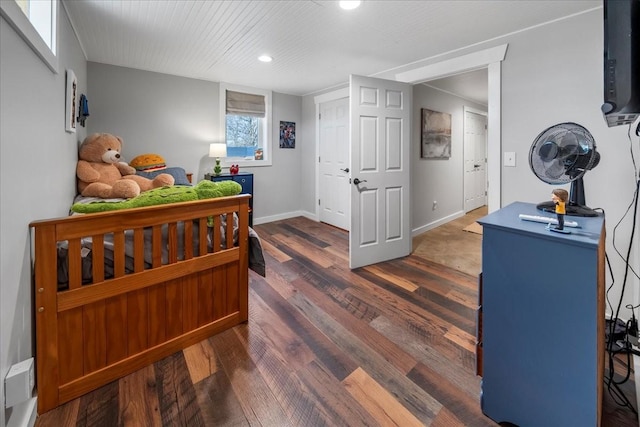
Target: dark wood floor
x=389, y=344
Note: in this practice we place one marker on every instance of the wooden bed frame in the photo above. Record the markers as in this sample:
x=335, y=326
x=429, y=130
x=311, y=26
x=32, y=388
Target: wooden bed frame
x=91, y=334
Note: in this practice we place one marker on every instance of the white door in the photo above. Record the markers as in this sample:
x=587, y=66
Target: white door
x=380, y=113
x=475, y=160
x=335, y=192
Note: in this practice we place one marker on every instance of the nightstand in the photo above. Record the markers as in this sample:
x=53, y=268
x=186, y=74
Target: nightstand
x=245, y=180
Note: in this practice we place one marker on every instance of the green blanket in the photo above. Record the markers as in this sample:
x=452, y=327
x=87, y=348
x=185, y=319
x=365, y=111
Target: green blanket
x=159, y=196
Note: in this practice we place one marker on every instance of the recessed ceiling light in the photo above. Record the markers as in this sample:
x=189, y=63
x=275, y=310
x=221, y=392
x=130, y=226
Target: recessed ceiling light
x=349, y=4
x=265, y=58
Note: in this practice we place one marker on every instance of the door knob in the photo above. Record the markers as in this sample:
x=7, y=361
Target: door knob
x=356, y=181
x=345, y=170
x=476, y=166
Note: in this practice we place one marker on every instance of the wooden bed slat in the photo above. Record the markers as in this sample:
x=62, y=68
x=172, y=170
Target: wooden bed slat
x=75, y=264
x=118, y=254
x=138, y=250
x=156, y=245
x=97, y=252
x=173, y=243
x=188, y=240
x=202, y=236
x=90, y=334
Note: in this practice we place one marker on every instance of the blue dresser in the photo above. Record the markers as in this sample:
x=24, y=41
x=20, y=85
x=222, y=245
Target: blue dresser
x=245, y=180
x=542, y=320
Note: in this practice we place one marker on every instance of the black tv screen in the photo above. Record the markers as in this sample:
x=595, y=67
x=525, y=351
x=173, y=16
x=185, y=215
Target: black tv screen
x=621, y=61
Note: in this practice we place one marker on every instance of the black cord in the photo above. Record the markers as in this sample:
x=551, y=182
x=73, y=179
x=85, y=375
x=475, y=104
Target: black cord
x=613, y=386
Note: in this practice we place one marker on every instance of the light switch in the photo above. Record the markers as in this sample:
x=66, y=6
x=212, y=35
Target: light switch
x=509, y=159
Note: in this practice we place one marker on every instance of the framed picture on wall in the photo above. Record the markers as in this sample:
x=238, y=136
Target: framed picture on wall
x=72, y=101
x=287, y=135
x=435, y=134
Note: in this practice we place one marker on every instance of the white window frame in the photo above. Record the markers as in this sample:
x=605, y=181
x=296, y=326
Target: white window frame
x=266, y=129
x=19, y=21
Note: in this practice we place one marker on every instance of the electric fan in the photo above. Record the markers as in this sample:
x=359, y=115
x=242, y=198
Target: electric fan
x=561, y=154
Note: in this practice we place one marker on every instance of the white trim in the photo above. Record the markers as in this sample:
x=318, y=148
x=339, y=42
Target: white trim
x=494, y=138
x=318, y=100
x=285, y=215
x=222, y=98
x=461, y=64
x=75, y=31
x=331, y=96
x=490, y=58
x=424, y=228
x=453, y=94
x=474, y=110
x=17, y=19
x=24, y=414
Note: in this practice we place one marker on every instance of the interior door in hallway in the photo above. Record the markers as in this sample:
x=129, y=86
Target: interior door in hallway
x=334, y=163
x=380, y=118
x=475, y=160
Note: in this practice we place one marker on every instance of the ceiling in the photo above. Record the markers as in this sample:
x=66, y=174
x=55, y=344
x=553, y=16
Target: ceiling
x=315, y=45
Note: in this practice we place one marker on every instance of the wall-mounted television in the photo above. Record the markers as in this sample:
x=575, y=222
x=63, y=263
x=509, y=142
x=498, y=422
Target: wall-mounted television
x=621, y=61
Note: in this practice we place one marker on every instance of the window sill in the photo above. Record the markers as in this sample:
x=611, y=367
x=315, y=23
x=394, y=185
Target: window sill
x=245, y=163
x=14, y=16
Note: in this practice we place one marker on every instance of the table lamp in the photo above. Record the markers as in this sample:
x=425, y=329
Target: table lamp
x=217, y=150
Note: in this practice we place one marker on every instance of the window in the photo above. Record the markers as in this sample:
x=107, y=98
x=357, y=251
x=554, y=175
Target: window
x=246, y=119
x=36, y=22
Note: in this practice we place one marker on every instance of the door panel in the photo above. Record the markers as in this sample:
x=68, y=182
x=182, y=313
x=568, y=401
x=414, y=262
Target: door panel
x=380, y=112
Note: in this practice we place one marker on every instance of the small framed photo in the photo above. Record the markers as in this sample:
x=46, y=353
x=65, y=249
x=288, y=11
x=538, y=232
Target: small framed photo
x=72, y=101
x=287, y=135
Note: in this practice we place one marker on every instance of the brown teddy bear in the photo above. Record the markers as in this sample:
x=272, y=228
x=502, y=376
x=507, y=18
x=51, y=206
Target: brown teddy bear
x=101, y=173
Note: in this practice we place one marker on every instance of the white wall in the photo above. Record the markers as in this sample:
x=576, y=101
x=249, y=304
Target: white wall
x=438, y=180
x=178, y=117
x=37, y=174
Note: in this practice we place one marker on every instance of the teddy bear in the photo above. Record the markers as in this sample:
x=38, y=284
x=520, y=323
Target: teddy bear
x=101, y=173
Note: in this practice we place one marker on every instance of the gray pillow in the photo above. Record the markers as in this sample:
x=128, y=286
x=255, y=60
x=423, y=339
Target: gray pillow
x=177, y=173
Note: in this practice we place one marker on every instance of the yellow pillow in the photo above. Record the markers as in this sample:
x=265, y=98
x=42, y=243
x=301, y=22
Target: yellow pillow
x=148, y=162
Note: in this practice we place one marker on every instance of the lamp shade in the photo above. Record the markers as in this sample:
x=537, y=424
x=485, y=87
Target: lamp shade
x=217, y=150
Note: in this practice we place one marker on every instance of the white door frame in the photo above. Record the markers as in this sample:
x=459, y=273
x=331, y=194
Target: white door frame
x=492, y=60
x=466, y=110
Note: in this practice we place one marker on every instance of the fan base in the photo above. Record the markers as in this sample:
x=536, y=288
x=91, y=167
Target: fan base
x=572, y=210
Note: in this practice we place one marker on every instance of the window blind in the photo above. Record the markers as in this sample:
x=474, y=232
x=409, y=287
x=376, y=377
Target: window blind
x=245, y=104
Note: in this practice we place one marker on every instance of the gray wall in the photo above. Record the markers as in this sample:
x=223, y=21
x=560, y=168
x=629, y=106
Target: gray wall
x=37, y=166
x=178, y=117
x=553, y=74
x=437, y=179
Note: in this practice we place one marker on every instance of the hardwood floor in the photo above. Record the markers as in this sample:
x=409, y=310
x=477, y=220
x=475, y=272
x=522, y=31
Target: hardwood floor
x=389, y=344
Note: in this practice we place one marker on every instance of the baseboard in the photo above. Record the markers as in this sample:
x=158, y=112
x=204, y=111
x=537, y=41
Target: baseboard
x=24, y=414
x=437, y=223
x=286, y=215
